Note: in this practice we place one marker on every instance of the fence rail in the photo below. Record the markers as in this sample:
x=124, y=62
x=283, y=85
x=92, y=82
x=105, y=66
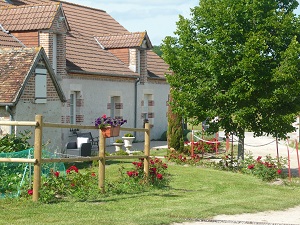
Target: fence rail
x=38, y=160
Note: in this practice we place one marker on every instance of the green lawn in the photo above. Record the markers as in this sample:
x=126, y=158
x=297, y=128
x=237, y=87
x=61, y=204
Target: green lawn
x=195, y=193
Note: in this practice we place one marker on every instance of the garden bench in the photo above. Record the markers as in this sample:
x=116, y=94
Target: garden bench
x=92, y=140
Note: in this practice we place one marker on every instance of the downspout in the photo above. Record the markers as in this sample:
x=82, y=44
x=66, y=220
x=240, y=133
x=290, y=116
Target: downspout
x=135, y=104
x=8, y=109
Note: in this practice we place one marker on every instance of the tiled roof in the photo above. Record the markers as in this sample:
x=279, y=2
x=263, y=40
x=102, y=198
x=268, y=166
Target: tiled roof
x=33, y=17
x=131, y=40
x=15, y=64
x=84, y=53
x=156, y=66
x=7, y=40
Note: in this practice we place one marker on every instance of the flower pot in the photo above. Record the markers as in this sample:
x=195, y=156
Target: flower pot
x=110, y=131
x=118, y=146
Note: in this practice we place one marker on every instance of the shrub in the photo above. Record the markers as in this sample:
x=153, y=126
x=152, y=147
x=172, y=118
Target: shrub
x=74, y=184
x=163, y=136
x=268, y=169
x=134, y=180
x=13, y=143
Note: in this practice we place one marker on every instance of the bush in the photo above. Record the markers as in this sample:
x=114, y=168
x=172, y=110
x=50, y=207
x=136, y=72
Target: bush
x=13, y=143
x=128, y=135
x=268, y=169
x=163, y=136
x=134, y=180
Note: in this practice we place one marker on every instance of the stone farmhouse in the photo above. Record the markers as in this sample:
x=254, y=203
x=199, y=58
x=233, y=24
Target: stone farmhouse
x=72, y=64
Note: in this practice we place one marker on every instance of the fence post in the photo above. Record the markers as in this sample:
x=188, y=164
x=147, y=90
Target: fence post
x=147, y=149
x=38, y=134
x=101, y=171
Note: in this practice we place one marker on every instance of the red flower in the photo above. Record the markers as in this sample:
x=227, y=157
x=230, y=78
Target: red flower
x=139, y=164
x=279, y=171
x=72, y=184
x=132, y=173
x=153, y=170
x=159, y=176
x=72, y=168
x=165, y=166
x=250, y=166
x=258, y=158
x=30, y=192
x=56, y=174
x=93, y=174
x=104, y=116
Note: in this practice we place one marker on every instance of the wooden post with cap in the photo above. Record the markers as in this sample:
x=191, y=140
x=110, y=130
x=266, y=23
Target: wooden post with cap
x=38, y=134
x=101, y=171
x=147, y=149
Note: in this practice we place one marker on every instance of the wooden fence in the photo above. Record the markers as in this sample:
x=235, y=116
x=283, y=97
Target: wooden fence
x=38, y=160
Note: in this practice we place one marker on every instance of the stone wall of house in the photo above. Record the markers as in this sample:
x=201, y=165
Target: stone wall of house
x=26, y=110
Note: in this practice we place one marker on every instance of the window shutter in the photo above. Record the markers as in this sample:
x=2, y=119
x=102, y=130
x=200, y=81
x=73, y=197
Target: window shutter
x=40, y=85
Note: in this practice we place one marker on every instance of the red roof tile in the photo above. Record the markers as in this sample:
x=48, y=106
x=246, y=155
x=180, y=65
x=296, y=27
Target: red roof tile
x=84, y=53
x=156, y=65
x=15, y=64
x=33, y=17
x=131, y=40
x=7, y=40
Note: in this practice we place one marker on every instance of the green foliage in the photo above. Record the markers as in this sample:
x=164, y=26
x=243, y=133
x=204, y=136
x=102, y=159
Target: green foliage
x=56, y=186
x=157, y=50
x=239, y=61
x=192, y=190
x=119, y=141
x=175, y=131
x=163, y=136
x=128, y=135
x=13, y=143
x=268, y=169
x=135, y=180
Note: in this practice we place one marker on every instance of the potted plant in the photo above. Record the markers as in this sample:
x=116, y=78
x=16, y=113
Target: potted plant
x=109, y=126
x=128, y=138
x=118, y=144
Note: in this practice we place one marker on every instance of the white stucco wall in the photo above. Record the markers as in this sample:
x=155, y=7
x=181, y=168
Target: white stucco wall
x=51, y=112
x=97, y=94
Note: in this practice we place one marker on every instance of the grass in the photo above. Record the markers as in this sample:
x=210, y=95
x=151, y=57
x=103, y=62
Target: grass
x=194, y=193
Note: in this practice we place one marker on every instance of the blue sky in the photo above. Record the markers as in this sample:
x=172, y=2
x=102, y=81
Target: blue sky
x=157, y=17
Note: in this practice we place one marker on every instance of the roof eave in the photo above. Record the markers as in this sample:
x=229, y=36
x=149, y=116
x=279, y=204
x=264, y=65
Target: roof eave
x=103, y=74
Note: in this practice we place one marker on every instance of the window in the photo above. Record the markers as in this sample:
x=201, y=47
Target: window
x=116, y=106
x=73, y=98
x=40, y=85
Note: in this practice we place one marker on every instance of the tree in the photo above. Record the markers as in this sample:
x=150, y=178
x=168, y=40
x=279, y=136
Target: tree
x=157, y=50
x=175, y=129
x=238, y=60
